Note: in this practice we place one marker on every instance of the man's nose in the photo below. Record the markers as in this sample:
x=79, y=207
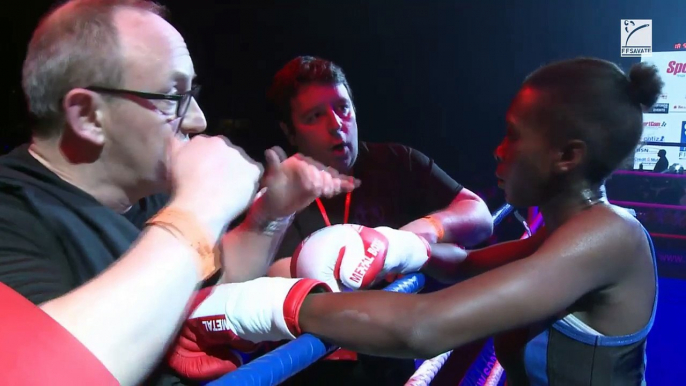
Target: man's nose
x=335, y=122
x=194, y=121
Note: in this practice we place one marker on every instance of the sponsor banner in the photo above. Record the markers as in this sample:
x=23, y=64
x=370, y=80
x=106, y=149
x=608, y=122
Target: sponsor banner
x=646, y=157
x=671, y=262
x=661, y=128
x=666, y=120
x=672, y=66
x=661, y=108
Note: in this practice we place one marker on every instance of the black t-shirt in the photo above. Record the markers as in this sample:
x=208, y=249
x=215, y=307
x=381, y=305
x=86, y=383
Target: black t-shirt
x=399, y=185
x=55, y=237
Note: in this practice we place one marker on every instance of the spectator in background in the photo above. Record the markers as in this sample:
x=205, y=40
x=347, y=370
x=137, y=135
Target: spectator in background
x=662, y=163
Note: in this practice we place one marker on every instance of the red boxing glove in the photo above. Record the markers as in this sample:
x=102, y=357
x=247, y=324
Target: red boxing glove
x=206, y=348
x=230, y=317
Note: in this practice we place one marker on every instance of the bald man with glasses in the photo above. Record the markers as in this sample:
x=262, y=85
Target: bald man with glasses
x=111, y=217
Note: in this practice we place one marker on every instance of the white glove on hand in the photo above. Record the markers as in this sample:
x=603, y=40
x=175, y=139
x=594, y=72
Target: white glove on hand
x=357, y=256
x=260, y=310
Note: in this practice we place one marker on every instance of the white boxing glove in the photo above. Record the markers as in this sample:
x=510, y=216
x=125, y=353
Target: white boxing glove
x=407, y=252
x=357, y=256
x=260, y=310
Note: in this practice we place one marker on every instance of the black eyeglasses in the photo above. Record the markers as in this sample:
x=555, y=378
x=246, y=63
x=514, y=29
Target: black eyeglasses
x=183, y=101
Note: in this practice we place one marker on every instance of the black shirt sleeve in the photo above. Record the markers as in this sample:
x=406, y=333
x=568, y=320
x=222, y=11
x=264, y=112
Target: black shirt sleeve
x=146, y=208
x=31, y=262
x=433, y=189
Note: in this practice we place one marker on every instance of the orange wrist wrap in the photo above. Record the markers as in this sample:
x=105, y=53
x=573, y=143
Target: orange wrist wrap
x=438, y=227
x=184, y=226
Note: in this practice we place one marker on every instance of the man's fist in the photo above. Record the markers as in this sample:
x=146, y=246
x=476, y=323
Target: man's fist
x=357, y=256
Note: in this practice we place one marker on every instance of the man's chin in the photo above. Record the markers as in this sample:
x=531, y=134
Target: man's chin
x=343, y=167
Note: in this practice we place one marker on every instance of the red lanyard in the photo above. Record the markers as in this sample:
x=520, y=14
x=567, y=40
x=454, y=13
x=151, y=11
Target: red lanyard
x=345, y=216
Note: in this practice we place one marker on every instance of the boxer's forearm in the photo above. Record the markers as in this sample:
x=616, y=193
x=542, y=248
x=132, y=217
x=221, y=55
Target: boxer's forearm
x=466, y=221
x=127, y=315
x=370, y=324
x=450, y=263
x=446, y=262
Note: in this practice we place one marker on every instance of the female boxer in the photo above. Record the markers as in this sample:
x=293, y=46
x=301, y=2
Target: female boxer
x=575, y=310
x=578, y=309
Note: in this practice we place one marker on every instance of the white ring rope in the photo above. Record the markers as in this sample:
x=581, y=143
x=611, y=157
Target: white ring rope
x=428, y=370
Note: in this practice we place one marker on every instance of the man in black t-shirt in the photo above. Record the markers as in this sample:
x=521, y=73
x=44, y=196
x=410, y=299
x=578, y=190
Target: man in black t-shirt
x=399, y=185
x=114, y=105
x=312, y=100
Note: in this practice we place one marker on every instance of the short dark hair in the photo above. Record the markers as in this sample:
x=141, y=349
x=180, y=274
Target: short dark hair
x=595, y=101
x=74, y=45
x=297, y=73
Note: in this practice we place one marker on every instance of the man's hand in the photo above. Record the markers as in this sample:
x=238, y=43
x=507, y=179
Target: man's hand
x=212, y=178
x=290, y=185
x=294, y=183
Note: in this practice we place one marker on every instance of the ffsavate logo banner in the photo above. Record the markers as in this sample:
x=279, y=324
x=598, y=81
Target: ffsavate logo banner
x=637, y=38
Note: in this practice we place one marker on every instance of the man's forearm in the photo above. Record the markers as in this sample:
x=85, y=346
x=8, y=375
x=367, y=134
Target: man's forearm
x=466, y=221
x=248, y=250
x=127, y=316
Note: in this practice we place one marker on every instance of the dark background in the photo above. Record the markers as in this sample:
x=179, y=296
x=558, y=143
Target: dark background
x=436, y=75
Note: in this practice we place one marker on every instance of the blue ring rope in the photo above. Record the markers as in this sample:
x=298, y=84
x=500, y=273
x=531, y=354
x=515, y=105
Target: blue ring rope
x=276, y=366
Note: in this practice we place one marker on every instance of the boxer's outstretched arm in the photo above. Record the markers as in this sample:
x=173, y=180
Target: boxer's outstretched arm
x=466, y=221
x=450, y=263
x=572, y=262
x=128, y=315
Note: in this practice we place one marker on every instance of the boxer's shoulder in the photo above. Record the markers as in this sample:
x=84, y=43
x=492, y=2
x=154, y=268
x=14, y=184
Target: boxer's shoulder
x=601, y=233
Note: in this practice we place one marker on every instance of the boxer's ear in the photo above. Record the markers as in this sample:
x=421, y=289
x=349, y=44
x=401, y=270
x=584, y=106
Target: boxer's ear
x=570, y=156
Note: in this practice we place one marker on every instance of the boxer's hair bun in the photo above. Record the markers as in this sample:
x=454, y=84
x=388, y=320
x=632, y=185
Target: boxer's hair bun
x=646, y=84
